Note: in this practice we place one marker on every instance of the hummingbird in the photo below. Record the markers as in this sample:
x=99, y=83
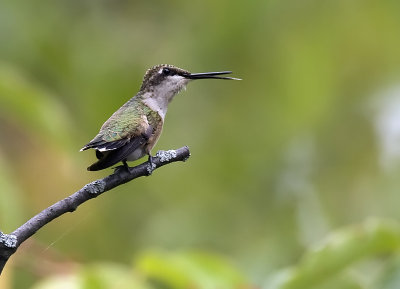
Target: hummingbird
x=133, y=130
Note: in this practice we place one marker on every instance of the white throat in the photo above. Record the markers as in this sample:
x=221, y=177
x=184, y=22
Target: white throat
x=163, y=94
x=156, y=104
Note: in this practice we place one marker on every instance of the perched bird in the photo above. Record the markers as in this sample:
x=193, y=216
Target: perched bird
x=133, y=130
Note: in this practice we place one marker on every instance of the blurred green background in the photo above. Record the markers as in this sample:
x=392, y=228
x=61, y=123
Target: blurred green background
x=294, y=176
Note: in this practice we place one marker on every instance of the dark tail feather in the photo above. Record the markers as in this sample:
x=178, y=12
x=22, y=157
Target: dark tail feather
x=102, y=144
x=92, y=145
x=110, y=158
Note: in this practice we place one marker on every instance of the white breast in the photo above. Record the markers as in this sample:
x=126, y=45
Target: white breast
x=137, y=154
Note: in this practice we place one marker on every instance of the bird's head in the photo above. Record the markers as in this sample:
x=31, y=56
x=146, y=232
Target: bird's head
x=169, y=79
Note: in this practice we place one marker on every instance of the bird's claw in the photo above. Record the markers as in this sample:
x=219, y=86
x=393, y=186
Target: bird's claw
x=124, y=167
x=151, y=166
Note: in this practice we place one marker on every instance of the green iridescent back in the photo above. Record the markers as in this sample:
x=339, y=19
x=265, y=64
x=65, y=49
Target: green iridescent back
x=127, y=122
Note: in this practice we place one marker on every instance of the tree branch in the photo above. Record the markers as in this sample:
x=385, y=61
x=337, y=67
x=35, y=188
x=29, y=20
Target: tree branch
x=9, y=243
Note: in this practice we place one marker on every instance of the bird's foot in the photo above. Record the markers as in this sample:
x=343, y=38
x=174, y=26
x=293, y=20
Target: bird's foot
x=124, y=167
x=151, y=166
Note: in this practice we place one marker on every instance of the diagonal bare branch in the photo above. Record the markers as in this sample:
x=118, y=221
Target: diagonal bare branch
x=9, y=243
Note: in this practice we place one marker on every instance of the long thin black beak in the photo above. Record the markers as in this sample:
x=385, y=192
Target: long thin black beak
x=212, y=75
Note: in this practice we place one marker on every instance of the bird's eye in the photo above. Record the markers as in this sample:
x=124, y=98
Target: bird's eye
x=166, y=71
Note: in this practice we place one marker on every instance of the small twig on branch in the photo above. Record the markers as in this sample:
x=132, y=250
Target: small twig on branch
x=9, y=243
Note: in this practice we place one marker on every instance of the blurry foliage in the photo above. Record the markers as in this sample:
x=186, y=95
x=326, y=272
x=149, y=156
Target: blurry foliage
x=329, y=262
x=35, y=108
x=154, y=270
x=10, y=203
x=189, y=270
x=332, y=264
x=305, y=144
